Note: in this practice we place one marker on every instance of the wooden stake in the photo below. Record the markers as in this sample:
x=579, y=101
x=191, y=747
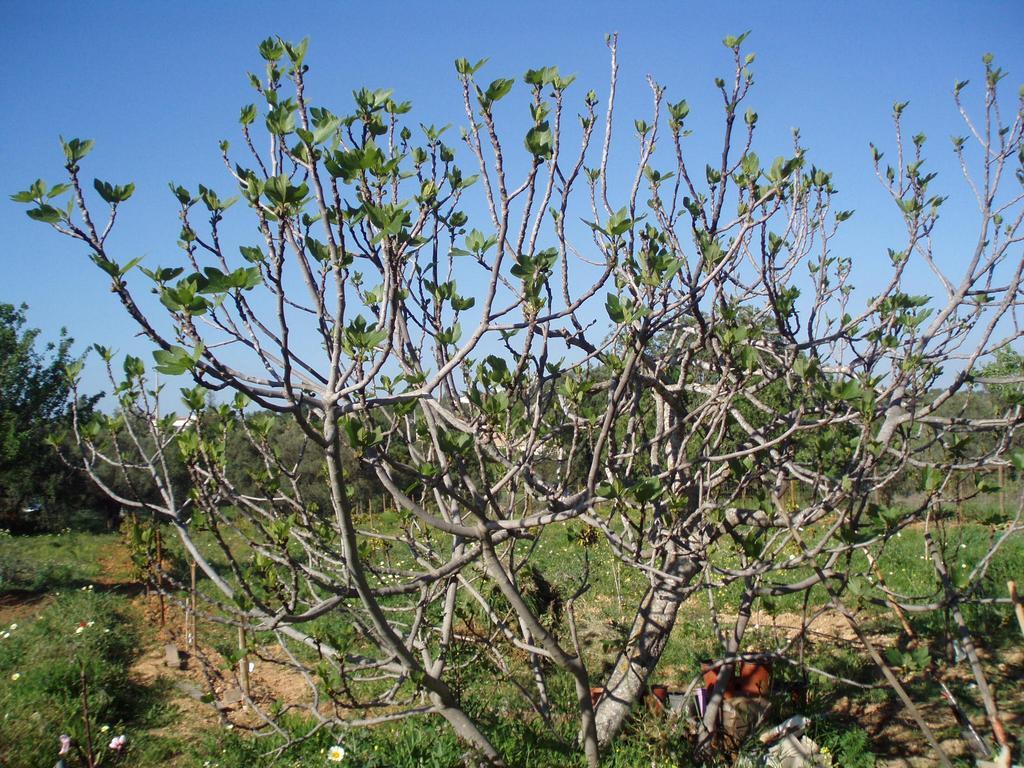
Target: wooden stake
x=160, y=578
x=191, y=628
x=186, y=626
x=243, y=663
x=792, y=495
x=893, y=605
x=618, y=583
x=1018, y=605
x=1002, y=494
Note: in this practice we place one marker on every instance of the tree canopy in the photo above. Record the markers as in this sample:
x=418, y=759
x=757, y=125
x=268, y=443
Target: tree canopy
x=654, y=382
x=37, y=490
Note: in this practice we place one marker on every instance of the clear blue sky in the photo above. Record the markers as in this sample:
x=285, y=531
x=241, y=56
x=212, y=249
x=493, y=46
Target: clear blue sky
x=158, y=84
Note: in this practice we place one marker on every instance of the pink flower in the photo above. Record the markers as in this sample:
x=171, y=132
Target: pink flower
x=117, y=743
x=65, y=744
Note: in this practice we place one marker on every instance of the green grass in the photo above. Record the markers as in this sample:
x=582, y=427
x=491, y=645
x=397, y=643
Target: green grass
x=43, y=661
x=55, y=561
x=45, y=652
x=429, y=743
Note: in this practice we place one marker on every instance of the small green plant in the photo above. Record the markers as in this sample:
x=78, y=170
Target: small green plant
x=850, y=747
x=917, y=659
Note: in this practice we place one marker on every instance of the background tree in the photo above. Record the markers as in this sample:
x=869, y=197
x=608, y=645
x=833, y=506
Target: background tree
x=37, y=490
x=652, y=384
x=1004, y=378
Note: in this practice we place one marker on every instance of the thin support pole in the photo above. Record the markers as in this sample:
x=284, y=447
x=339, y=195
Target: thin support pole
x=160, y=578
x=190, y=629
x=243, y=663
x=1002, y=494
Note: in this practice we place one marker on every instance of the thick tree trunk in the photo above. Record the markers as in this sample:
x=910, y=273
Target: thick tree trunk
x=647, y=638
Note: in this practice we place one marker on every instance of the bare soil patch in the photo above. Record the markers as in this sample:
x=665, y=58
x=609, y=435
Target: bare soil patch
x=208, y=683
x=21, y=605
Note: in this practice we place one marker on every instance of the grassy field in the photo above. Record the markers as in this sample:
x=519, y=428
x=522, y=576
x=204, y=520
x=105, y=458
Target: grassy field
x=72, y=611
x=56, y=561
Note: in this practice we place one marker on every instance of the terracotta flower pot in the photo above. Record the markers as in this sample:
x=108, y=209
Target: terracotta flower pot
x=749, y=678
x=657, y=698
x=755, y=678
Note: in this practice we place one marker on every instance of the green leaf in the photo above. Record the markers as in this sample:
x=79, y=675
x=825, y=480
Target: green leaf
x=361, y=336
x=124, y=270
x=279, y=190
x=450, y=335
x=246, y=278
x=735, y=42
x=679, y=111
x=173, y=362
x=281, y=119
x=45, y=213
x=847, y=389
x=857, y=585
x=212, y=202
x=933, y=479
x=251, y=254
x=76, y=149
x=319, y=250
x=297, y=51
x=111, y=193
x=454, y=442
x=479, y=244
x=647, y=490
x=497, y=90
x=614, y=307
x=463, y=67
x=183, y=195
x=894, y=656
x=73, y=368
x=272, y=49
x=460, y=303
x=543, y=76
x=325, y=130
x=751, y=165
x=539, y=141
x=619, y=222
x=921, y=657
x=1017, y=458
x=37, y=190
x=986, y=485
